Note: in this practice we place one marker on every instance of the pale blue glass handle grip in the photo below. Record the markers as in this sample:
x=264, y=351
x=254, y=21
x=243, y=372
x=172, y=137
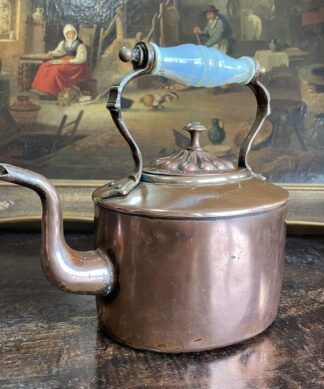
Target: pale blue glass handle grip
x=201, y=66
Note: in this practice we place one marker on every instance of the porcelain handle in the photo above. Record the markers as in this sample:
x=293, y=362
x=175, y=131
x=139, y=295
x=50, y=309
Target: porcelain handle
x=194, y=65
x=201, y=66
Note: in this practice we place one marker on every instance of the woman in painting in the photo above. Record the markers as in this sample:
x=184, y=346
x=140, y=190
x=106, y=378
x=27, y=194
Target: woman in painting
x=67, y=65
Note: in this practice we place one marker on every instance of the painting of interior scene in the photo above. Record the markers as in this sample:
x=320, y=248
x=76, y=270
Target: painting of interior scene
x=59, y=58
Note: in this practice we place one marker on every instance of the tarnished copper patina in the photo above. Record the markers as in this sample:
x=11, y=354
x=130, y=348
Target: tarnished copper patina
x=190, y=251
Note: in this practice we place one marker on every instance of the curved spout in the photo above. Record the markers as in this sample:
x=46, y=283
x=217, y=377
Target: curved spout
x=88, y=272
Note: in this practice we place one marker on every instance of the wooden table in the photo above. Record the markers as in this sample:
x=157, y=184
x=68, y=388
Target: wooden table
x=50, y=339
x=296, y=55
x=28, y=65
x=272, y=59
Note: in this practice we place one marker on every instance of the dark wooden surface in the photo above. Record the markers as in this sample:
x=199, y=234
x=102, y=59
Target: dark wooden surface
x=49, y=339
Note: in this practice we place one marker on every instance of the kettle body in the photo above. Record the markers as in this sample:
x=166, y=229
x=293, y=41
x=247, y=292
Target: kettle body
x=194, y=283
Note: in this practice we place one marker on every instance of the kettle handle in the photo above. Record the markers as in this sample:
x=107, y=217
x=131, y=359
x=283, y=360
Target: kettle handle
x=123, y=186
x=262, y=96
x=147, y=59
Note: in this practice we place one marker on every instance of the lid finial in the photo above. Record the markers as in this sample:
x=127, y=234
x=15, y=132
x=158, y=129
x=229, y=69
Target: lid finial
x=193, y=160
x=195, y=129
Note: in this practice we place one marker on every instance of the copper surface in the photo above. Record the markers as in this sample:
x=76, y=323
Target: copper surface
x=86, y=272
x=202, y=201
x=157, y=176
x=191, y=285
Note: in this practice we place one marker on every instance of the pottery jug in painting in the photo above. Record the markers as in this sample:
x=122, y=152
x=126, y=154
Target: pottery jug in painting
x=189, y=252
x=38, y=15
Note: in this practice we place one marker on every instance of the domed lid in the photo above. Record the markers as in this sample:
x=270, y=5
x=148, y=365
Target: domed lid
x=203, y=201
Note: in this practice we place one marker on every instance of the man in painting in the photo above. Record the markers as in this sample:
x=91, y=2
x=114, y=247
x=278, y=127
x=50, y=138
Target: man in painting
x=217, y=32
x=67, y=64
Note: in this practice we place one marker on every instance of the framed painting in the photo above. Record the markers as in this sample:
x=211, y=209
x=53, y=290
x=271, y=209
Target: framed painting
x=58, y=60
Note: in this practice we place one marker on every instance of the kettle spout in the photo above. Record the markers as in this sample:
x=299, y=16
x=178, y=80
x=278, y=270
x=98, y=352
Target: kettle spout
x=3, y=171
x=88, y=272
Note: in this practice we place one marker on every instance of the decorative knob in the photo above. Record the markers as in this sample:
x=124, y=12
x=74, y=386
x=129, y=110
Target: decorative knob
x=131, y=55
x=195, y=129
x=126, y=54
x=195, y=159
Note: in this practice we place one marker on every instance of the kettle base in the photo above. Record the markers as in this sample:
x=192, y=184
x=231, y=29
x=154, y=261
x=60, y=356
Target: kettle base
x=173, y=349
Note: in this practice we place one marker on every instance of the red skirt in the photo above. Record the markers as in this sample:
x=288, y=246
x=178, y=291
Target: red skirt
x=54, y=78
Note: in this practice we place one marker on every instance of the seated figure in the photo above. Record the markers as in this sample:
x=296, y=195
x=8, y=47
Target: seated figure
x=67, y=64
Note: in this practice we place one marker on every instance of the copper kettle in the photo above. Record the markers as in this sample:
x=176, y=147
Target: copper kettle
x=189, y=252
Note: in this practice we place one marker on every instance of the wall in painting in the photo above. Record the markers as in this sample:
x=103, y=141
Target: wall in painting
x=62, y=57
